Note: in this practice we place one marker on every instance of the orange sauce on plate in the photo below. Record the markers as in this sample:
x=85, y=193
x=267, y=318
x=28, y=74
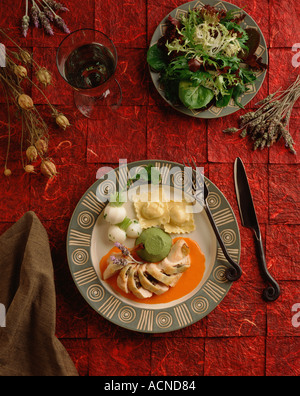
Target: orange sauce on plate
x=189, y=280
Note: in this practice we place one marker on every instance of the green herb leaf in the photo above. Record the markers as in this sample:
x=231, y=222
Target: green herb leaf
x=224, y=100
x=156, y=58
x=125, y=224
x=237, y=92
x=194, y=97
x=117, y=199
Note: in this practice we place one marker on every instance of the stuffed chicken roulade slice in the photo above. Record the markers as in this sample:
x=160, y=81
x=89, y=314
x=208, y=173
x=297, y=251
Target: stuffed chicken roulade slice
x=178, y=260
x=122, y=280
x=116, y=262
x=135, y=286
x=150, y=283
x=157, y=273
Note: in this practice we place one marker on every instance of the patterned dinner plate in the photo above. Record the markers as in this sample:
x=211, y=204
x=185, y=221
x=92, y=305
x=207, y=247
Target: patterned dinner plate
x=87, y=243
x=213, y=111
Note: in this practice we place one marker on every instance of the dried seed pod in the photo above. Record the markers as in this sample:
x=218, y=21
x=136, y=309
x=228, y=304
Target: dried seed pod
x=41, y=146
x=230, y=130
x=62, y=121
x=25, y=102
x=265, y=100
x=20, y=71
x=31, y=154
x=43, y=76
x=244, y=133
x=24, y=56
x=258, y=143
x=29, y=169
x=244, y=119
x=48, y=169
x=7, y=172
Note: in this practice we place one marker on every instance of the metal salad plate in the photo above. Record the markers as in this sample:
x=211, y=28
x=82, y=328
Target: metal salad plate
x=213, y=111
x=87, y=243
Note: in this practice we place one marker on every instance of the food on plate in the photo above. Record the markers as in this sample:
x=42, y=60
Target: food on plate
x=156, y=244
x=173, y=216
x=181, y=221
x=122, y=279
x=205, y=57
x=178, y=260
x=121, y=226
x=149, y=282
x=114, y=214
x=169, y=270
x=151, y=210
x=128, y=228
x=115, y=264
x=167, y=280
x=144, y=279
x=134, y=284
x=157, y=272
x=116, y=234
x=134, y=229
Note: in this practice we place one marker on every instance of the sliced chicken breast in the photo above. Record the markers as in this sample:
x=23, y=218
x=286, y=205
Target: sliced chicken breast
x=157, y=273
x=178, y=260
x=150, y=283
x=115, y=264
x=135, y=286
x=122, y=280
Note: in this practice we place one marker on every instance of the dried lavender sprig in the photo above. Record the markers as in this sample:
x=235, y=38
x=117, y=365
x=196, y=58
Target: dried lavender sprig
x=59, y=21
x=62, y=24
x=125, y=251
x=35, y=15
x=46, y=23
x=25, y=21
x=25, y=25
x=119, y=261
x=48, y=14
x=55, y=5
x=47, y=10
x=270, y=122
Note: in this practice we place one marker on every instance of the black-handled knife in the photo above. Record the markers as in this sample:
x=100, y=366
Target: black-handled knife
x=249, y=220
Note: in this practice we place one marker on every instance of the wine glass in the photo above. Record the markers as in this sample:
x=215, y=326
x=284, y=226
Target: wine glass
x=87, y=60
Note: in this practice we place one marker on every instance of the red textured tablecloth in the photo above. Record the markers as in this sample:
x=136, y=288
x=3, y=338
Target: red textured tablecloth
x=243, y=335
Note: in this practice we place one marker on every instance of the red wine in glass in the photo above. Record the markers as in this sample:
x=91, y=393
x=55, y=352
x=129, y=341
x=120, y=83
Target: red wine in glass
x=87, y=61
x=89, y=66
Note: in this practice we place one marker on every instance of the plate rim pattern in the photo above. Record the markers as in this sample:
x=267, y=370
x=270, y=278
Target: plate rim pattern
x=133, y=317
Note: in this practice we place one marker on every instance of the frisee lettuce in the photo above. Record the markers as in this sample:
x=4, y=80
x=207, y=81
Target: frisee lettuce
x=212, y=39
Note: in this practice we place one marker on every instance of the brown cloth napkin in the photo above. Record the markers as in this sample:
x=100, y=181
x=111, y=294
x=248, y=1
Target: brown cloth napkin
x=28, y=345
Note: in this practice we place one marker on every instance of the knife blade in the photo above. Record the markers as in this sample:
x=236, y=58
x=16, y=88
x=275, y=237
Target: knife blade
x=249, y=220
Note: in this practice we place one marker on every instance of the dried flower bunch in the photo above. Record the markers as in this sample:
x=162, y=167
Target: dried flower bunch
x=35, y=132
x=270, y=122
x=42, y=14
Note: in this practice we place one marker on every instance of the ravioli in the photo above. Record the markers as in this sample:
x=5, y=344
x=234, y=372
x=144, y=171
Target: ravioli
x=181, y=221
x=172, y=216
x=152, y=213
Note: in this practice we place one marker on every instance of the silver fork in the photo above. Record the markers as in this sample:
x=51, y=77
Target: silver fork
x=234, y=272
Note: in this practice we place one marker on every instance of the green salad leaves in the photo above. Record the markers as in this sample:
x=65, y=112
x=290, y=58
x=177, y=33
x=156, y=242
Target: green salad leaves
x=198, y=58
